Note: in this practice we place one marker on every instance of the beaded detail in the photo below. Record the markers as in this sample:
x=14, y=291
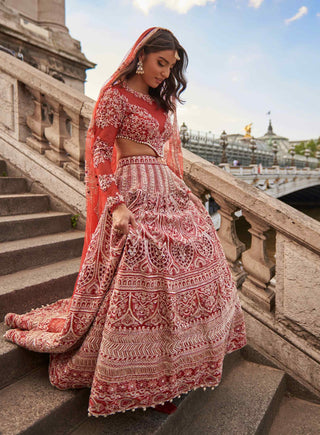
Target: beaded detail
x=145, y=97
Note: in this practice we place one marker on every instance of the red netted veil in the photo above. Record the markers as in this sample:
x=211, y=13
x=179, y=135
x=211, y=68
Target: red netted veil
x=95, y=198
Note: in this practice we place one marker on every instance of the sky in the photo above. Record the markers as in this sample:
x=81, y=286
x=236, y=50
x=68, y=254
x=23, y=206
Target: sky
x=246, y=58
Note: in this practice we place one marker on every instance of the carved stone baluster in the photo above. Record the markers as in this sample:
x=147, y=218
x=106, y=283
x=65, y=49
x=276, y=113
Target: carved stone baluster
x=56, y=134
x=197, y=189
x=232, y=246
x=75, y=145
x=37, y=123
x=259, y=267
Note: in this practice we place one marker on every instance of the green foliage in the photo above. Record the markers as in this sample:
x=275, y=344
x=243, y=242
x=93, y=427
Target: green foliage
x=4, y=174
x=312, y=145
x=74, y=220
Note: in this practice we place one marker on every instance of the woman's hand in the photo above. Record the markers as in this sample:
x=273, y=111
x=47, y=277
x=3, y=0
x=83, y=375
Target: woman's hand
x=121, y=218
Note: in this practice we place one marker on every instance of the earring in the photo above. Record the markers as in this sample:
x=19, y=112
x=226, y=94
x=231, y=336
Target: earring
x=140, y=69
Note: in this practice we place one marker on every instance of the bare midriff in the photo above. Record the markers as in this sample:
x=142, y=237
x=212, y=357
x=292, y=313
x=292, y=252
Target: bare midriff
x=127, y=148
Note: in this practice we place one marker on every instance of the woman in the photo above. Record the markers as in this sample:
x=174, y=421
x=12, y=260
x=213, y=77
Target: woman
x=155, y=309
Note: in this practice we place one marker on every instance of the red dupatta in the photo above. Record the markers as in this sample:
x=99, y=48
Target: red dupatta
x=95, y=198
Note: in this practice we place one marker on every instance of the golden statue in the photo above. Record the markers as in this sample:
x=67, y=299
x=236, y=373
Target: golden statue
x=248, y=130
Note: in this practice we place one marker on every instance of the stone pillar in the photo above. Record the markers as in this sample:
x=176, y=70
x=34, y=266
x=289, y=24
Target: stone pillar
x=37, y=123
x=259, y=267
x=75, y=145
x=232, y=246
x=52, y=14
x=56, y=134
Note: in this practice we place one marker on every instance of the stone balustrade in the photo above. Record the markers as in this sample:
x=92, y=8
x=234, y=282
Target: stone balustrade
x=51, y=111
x=42, y=131
x=280, y=295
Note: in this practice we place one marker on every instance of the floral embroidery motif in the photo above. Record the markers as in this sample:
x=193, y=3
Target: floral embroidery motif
x=110, y=110
x=101, y=152
x=105, y=181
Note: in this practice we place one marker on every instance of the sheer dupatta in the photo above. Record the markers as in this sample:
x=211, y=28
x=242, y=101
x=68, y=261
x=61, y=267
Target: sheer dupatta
x=96, y=198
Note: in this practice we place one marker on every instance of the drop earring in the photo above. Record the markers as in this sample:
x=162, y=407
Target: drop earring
x=140, y=69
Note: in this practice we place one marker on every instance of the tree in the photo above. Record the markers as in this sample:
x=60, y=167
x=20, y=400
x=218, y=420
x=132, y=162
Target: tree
x=312, y=145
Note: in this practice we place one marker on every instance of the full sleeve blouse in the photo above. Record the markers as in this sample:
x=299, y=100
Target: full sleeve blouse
x=109, y=115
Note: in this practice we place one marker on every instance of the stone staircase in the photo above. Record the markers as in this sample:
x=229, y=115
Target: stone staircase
x=39, y=262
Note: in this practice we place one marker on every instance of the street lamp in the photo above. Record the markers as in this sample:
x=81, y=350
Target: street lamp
x=224, y=143
x=184, y=134
x=275, y=151
x=253, y=147
x=307, y=153
x=292, y=152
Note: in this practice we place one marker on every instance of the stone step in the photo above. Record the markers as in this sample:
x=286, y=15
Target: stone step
x=15, y=361
x=38, y=251
x=21, y=291
x=32, y=225
x=244, y=403
x=131, y=423
x=12, y=185
x=139, y=422
x=296, y=417
x=33, y=406
x=23, y=203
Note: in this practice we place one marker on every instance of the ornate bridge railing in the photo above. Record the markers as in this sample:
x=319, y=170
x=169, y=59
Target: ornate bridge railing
x=42, y=131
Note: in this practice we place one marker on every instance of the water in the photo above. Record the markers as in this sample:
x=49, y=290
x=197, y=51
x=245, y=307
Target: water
x=313, y=212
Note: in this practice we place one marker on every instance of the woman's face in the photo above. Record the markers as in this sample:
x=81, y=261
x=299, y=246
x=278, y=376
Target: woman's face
x=157, y=67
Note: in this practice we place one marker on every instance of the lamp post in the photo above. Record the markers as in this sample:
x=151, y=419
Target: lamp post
x=307, y=153
x=292, y=153
x=184, y=134
x=275, y=151
x=253, y=147
x=224, y=143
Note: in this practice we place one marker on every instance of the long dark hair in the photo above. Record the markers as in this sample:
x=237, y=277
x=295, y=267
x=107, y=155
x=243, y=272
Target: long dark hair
x=176, y=83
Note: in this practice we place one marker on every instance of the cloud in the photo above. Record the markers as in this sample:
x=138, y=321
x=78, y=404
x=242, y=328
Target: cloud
x=255, y=3
x=180, y=6
x=301, y=12
x=318, y=14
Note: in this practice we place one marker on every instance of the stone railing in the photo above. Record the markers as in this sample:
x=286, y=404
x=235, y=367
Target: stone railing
x=43, y=124
x=42, y=131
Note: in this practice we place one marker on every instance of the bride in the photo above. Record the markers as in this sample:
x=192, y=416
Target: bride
x=154, y=308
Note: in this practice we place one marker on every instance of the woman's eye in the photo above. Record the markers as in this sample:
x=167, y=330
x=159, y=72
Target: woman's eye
x=161, y=64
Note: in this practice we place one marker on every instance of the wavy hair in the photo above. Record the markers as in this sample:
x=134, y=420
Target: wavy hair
x=176, y=83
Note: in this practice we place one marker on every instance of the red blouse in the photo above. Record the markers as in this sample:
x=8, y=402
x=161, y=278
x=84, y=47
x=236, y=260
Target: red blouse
x=125, y=113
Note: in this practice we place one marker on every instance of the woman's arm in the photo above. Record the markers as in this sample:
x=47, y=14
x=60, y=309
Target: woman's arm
x=109, y=115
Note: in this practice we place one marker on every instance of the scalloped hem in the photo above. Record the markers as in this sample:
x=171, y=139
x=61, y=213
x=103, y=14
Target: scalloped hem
x=144, y=408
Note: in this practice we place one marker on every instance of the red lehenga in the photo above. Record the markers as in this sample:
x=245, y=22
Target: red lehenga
x=153, y=313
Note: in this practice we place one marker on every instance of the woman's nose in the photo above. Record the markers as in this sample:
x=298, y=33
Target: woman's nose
x=166, y=72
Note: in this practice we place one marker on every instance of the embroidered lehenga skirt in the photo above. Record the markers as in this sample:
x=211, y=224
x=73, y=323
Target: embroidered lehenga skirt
x=153, y=313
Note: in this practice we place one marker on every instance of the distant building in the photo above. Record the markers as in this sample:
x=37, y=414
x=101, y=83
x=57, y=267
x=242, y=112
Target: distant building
x=270, y=137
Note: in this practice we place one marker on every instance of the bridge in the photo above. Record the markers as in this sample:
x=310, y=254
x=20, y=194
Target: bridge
x=268, y=150
x=278, y=181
